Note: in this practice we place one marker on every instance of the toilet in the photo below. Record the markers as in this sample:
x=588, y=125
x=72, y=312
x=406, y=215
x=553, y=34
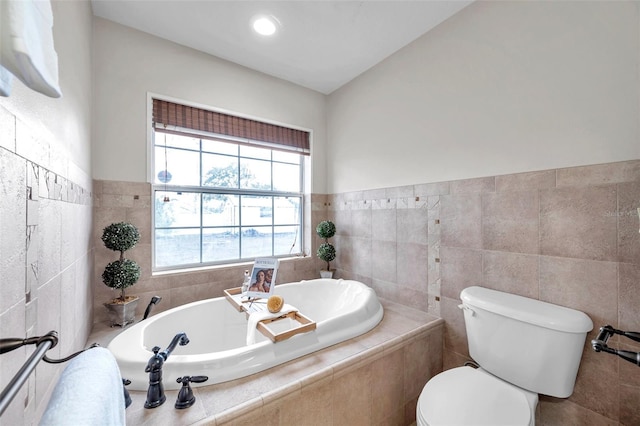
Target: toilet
x=521, y=347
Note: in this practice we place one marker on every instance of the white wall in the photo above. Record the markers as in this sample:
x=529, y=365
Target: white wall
x=130, y=63
x=66, y=121
x=501, y=87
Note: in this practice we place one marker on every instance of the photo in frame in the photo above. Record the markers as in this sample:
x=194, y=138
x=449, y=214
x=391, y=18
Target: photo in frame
x=263, y=277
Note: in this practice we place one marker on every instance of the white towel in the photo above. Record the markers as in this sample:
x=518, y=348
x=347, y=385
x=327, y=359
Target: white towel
x=26, y=45
x=89, y=392
x=259, y=313
x=6, y=78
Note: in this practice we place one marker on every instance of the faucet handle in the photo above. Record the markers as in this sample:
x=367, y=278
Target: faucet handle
x=185, y=395
x=192, y=379
x=156, y=349
x=199, y=379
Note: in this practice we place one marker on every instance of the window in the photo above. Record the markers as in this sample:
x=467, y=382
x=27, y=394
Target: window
x=221, y=199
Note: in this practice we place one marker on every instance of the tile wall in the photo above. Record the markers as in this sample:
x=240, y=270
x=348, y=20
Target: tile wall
x=566, y=236
x=46, y=258
x=117, y=201
x=380, y=388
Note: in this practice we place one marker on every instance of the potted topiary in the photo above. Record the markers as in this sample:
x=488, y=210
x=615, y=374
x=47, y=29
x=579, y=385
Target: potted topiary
x=122, y=273
x=326, y=251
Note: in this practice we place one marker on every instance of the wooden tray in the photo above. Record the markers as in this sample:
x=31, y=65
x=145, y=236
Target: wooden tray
x=234, y=296
x=305, y=326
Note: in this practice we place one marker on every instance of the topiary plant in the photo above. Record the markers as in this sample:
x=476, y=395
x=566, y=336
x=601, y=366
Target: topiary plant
x=326, y=251
x=122, y=273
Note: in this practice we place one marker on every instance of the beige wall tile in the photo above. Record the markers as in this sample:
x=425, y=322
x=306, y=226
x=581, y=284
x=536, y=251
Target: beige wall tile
x=387, y=381
x=628, y=371
x=453, y=359
x=361, y=256
x=629, y=403
x=353, y=398
x=557, y=412
x=361, y=223
x=510, y=222
x=530, y=181
x=312, y=406
x=412, y=266
x=511, y=272
x=628, y=222
x=585, y=285
x=597, y=384
x=455, y=335
x=461, y=220
x=428, y=189
x=481, y=185
x=383, y=225
x=459, y=268
x=599, y=174
x=122, y=188
x=384, y=261
x=576, y=222
x=411, y=225
x=487, y=236
x=629, y=296
x=421, y=362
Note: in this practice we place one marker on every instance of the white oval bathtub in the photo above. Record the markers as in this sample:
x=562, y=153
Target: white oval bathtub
x=342, y=309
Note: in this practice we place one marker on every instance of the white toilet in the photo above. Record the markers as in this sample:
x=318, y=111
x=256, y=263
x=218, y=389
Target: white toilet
x=523, y=347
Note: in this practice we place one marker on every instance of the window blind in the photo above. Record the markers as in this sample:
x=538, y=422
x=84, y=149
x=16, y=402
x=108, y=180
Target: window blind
x=186, y=120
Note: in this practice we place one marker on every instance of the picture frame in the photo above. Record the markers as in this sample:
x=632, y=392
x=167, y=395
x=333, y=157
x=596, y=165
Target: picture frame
x=263, y=277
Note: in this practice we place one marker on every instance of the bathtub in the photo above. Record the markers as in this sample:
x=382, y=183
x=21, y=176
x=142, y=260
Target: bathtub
x=341, y=309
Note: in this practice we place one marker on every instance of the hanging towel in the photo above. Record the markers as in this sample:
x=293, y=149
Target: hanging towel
x=89, y=392
x=26, y=46
x=260, y=313
x=5, y=82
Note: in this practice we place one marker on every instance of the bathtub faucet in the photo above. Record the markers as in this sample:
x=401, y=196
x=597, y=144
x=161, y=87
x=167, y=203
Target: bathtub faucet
x=178, y=338
x=155, y=393
x=154, y=301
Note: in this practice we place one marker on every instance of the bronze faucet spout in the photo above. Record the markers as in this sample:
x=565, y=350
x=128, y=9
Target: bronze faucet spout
x=180, y=338
x=155, y=393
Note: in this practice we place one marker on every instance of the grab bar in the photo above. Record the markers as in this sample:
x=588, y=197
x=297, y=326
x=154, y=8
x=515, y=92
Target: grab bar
x=43, y=344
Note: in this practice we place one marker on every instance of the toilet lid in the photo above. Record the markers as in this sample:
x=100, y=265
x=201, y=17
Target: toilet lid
x=466, y=396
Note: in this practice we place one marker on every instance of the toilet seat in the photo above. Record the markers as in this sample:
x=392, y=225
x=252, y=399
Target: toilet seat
x=469, y=396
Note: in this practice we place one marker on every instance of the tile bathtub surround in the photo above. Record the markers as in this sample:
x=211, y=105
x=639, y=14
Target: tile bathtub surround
x=373, y=379
x=567, y=236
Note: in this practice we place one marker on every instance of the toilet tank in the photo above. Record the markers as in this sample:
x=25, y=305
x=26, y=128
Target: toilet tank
x=532, y=344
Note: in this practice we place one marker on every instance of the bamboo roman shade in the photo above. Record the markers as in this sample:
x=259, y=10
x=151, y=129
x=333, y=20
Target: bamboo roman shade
x=174, y=118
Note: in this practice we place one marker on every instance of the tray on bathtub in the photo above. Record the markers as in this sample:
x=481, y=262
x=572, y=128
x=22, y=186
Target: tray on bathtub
x=234, y=296
x=305, y=325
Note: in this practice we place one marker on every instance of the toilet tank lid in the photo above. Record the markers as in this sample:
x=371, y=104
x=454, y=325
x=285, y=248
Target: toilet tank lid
x=527, y=310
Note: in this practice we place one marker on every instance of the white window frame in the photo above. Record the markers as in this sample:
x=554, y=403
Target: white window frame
x=305, y=164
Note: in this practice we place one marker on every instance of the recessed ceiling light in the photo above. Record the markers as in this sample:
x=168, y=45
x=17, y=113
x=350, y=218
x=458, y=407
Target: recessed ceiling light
x=265, y=25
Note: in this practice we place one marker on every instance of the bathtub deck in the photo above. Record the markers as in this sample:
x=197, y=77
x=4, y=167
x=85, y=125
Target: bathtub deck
x=222, y=403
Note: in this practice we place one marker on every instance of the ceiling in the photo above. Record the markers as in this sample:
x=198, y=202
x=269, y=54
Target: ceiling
x=320, y=45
